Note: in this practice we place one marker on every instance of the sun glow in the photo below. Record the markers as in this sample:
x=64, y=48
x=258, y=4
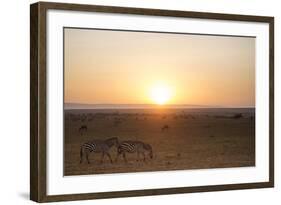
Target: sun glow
x=160, y=94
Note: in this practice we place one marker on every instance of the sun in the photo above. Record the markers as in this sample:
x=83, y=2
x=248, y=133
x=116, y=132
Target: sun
x=160, y=94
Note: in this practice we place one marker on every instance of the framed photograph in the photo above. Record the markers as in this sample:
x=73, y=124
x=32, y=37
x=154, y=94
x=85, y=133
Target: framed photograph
x=133, y=102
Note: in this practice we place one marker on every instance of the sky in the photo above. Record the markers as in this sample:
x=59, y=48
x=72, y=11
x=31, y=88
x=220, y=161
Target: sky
x=125, y=67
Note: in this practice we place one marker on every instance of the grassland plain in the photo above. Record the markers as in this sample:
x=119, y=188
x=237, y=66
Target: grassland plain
x=193, y=138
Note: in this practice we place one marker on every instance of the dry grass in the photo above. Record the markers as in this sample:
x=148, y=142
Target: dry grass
x=194, y=139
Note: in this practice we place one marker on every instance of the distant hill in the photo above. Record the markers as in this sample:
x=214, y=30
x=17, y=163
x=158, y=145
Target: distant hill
x=70, y=106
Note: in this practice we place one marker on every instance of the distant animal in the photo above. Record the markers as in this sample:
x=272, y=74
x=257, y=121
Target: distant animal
x=83, y=129
x=134, y=147
x=98, y=146
x=237, y=116
x=165, y=127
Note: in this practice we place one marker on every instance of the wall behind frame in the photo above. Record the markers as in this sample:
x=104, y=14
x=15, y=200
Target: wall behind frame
x=14, y=103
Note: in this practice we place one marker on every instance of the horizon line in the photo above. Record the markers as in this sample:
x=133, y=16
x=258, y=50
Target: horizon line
x=139, y=106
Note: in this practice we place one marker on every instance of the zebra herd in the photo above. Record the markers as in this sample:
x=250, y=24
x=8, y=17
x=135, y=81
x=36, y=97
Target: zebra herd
x=124, y=147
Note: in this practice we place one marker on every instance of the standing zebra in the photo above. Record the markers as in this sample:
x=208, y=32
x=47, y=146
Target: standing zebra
x=134, y=147
x=98, y=146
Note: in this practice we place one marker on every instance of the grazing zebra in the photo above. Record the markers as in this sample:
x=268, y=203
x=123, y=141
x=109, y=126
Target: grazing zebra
x=98, y=146
x=165, y=127
x=134, y=147
x=83, y=129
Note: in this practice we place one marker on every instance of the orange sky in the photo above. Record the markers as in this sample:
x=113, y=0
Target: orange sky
x=119, y=67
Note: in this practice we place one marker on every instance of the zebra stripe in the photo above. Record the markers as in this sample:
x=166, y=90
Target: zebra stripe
x=98, y=146
x=138, y=147
x=129, y=147
x=90, y=146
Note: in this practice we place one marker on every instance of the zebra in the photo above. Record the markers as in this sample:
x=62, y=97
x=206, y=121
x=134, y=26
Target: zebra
x=98, y=146
x=134, y=147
